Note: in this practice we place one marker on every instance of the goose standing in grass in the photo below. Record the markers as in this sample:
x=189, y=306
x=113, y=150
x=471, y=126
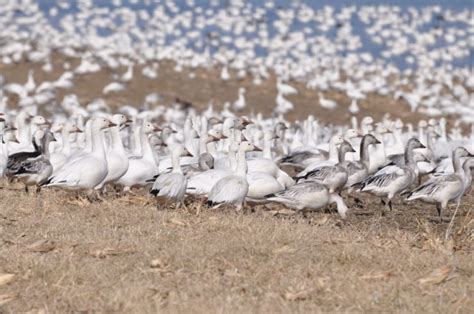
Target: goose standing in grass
x=441, y=190
x=141, y=168
x=309, y=195
x=33, y=168
x=58, y=159
x=392, y=180
x=333, y=177
x=90, y=169
x=117, y=160
x=233, y=189
x=172, y=185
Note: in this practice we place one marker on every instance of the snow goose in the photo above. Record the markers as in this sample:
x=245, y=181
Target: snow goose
x=7, y=136
x=233, y=189
x=172, y=185
x=332, y=158
x=33, y=168
x=240, y=103
x=309, y=195
x=58, y=159
x=89, y=170
x=444, y=189
x=392, y=180
x=333, y=177
x=141, y=168
x=117, y=159
x=359, y=170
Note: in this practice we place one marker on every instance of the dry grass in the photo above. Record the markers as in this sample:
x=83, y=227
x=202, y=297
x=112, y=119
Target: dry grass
x=63, y=255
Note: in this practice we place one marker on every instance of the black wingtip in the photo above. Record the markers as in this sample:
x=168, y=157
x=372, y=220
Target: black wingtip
x=209, y=203
x=269, y=195
x=154, y=192
x=46, y=182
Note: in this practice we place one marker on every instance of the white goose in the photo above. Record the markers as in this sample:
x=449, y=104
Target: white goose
x=117, y=159
x=444, y=189
x=233, y=189
x=172, y=185
x=141, y=168
x=89, y=170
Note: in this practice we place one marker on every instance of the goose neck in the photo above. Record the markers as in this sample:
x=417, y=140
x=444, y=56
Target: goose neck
x=241, y=164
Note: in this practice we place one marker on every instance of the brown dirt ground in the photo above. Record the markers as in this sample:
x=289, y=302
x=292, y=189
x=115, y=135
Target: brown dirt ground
x=130, y=255
x=206, y=87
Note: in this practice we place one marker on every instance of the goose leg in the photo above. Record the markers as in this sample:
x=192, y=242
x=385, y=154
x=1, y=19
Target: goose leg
x=38, y=189
x=26, y=189
x=390, y=204
x=440, y=211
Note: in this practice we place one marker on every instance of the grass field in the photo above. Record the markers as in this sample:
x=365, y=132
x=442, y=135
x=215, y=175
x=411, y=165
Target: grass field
x=61, y=254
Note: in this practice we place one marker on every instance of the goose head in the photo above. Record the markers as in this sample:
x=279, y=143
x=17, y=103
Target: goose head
x=352, y=133
x=148, y=128
x=414, y=143
x=216, y=135
x=119, y=119
x=40, y=121
x=246, y=146
x=369, y=139
x=336, y=140
x=346, y=147
x=101, y=124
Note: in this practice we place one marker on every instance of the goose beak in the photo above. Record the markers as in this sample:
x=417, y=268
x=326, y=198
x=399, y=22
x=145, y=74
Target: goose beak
x=422, y=146
x=128, y=121
x=187, y=153
x=2, y=119
x=174, y=131
x=77, y=130
x=157, y=128
x=223, y=137
x=214, y=139
x=246, y=122
x=257, y=149
x=377, y=141
x=111, y=124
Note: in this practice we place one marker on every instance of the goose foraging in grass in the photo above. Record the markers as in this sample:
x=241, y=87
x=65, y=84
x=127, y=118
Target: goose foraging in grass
x=309, y=195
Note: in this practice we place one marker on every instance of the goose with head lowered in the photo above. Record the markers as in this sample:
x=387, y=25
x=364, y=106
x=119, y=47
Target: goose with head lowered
x=172, y=185
x=392, y=180
x=90, y=169
x=309, y=195
x=443, y=189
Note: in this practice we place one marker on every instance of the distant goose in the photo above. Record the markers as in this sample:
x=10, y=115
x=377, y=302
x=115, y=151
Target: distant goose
x=240, y=103
x=444, y=189
x=326, y=103
x=309, y=195
x=387, y=183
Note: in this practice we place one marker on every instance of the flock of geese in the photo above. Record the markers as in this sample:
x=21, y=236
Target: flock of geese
x=236, y=159
x=417, y=55
x=223, y=157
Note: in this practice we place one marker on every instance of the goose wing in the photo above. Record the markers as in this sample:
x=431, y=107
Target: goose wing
x=228, y=190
